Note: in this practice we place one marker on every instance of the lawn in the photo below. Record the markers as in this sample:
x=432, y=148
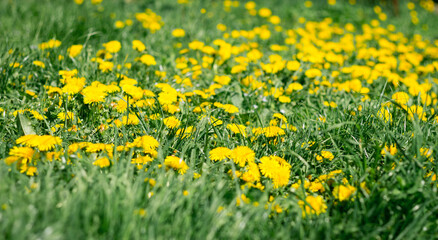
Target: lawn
x=196, y=119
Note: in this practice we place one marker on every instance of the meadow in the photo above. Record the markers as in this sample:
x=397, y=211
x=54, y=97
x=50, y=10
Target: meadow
x=196, y=119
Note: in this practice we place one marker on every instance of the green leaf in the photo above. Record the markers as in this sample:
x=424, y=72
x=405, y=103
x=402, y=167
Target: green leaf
x=25, y=125
x=237, y=98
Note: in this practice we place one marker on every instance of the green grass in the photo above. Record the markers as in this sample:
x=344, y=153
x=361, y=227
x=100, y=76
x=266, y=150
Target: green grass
x=71, y=198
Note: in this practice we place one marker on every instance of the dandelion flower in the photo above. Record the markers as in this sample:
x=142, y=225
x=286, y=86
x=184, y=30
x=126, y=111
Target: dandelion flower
x=275, y=168
x=313, y=205
x=93, y=94
x=220, y=153
x=134, y=91
x=146, y=142
x=31, y=171
x=401, y=98
x=343, y=193
x=112, y=46
x=171, y=122
x=43, y=143
x=265, y=12
x=106, y=66
x=223, y=80
x=148, y=60
x=313, y=72
x=39, y=64
x=273, y=131
x=327, y=155
x=230, y=108
x=384, y=114
x=138, y=45
x=176, y=163
x=253, y=173
x=74, y=50
x=20, y=153
x=73, y=85
x=178, y=33
x=392, y=150
x=242, y=154
x=63, y=116
x=102, y=162
x=185, y=132
x=237, y=128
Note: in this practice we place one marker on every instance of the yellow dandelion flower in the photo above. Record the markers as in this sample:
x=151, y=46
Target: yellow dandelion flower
x=146, y=142
x=401, y=98
x=196, y=45
x=141, y=160
x=36, y=114
x=134, y=91
x=112, y=46
x=30, y=93
x=102, y=162
x=20, y=153
x=223, y=80
x=316, y=186
x=237, y=128
x=73, y=85
x=281, y=177
x=106, y=66
x=49, y=44
x=280, y=117
x=185, y=132
x=384, y=114
x=178, y=33
x=331, y=2
x=426, y=152
x=138, y=45
x=265, y=12
x=275, y=168
x=31, y=171
x=313, y=72
x=293, y=87
x=313, y=205
x=284, y=99
x=257, y=131
x=176, y=163
x=97, y=147
x=15, y=65
x=43, y=143
x=63, y=116
x=39, y=64
x=392, y=150
x=131, y=119
x=220, y=153
x=148, y=60
x=327, y=155
x=416, y=111
x=93, y=94
x=74, y=50
x=252, y=174
x=242, y=154
x=171, y=122
x=268, y=166
x=96, y=2
x=119, y=24
x=121, y=105
x=273, y=131
x=343, y=193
